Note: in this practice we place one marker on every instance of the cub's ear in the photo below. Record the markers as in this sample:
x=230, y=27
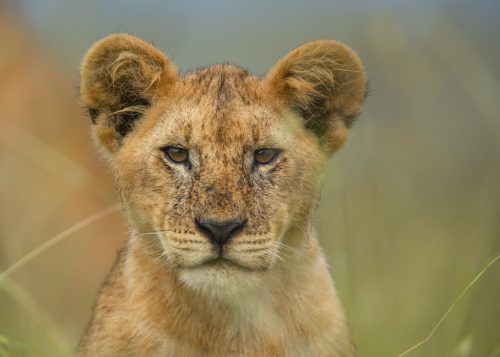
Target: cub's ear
x=121, y=76
x=324, y=81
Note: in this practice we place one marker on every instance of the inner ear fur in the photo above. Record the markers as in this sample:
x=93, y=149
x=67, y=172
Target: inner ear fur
x=121, y=76
x=324, y=81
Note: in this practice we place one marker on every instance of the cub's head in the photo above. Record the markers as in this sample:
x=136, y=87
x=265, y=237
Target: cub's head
x=216, y=167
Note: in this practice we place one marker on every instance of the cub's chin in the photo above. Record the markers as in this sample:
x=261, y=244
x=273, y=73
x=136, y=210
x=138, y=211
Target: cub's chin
x=220, y=278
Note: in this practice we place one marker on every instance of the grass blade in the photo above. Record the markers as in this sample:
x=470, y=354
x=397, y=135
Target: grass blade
x=56, y=239
x=450, y=309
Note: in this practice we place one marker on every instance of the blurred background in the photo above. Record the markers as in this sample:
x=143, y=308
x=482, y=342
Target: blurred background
x=410, y=210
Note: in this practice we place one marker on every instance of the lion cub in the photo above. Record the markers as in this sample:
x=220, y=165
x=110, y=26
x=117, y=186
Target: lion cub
x=219, y=175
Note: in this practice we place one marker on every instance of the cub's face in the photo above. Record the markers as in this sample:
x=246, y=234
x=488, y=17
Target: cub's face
x=215, y=168
x=218, y=170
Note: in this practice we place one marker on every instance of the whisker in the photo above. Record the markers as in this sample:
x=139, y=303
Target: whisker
x=252, y=250
x=151, y=233
x=274, y=254
x=286, y=247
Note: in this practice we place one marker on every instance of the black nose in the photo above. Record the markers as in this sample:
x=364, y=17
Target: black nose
x=220, y=232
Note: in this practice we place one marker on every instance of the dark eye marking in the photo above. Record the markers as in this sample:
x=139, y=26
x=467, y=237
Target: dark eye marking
x=265, y=156
x=176, y=154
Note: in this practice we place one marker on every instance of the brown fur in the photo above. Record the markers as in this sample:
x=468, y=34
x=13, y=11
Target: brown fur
x=166, y=295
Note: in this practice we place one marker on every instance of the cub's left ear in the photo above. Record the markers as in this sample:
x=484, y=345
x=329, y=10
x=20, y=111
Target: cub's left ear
x=324, y=81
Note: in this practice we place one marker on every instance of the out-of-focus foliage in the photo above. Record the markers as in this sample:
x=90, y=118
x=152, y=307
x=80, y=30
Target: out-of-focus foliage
x=410, y=210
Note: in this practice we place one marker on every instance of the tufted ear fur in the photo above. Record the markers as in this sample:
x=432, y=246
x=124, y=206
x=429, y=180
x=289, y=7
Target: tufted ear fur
x=121, y=76
x=324, y=81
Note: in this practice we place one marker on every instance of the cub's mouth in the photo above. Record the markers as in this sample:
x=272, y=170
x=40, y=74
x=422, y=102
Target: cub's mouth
x=222, y=276
x=222, y=263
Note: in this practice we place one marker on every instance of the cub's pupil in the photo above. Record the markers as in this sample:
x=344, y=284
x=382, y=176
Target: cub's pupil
x=176, y=154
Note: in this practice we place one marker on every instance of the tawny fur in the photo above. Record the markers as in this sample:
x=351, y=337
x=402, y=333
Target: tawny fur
x=168, y=294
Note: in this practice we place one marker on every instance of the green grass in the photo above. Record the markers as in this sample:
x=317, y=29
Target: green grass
x=409, y=215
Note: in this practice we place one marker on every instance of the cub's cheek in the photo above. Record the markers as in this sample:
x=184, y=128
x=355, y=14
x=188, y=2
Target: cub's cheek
x=186, y=249
x=139, y=217
x=255, y=260
x=281, y=221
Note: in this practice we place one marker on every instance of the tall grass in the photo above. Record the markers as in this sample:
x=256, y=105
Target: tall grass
x=409, y=213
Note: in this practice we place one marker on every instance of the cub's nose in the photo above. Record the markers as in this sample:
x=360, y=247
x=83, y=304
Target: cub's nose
x=219, y=232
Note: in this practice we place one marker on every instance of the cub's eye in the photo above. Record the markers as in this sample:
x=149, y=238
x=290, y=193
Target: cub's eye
x=176, y=154
x=265, y=156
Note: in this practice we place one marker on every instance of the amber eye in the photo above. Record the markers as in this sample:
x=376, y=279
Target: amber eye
x=265, y=156
x=176, y=154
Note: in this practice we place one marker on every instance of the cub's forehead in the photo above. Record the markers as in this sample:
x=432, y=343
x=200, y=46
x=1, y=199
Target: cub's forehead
x=223, y=83
x=220, y=105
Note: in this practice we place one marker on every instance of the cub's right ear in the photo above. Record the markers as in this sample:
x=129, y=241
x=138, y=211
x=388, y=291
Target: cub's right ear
x=121, y=76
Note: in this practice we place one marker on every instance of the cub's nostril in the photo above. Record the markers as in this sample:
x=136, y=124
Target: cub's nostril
x=219, y=232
